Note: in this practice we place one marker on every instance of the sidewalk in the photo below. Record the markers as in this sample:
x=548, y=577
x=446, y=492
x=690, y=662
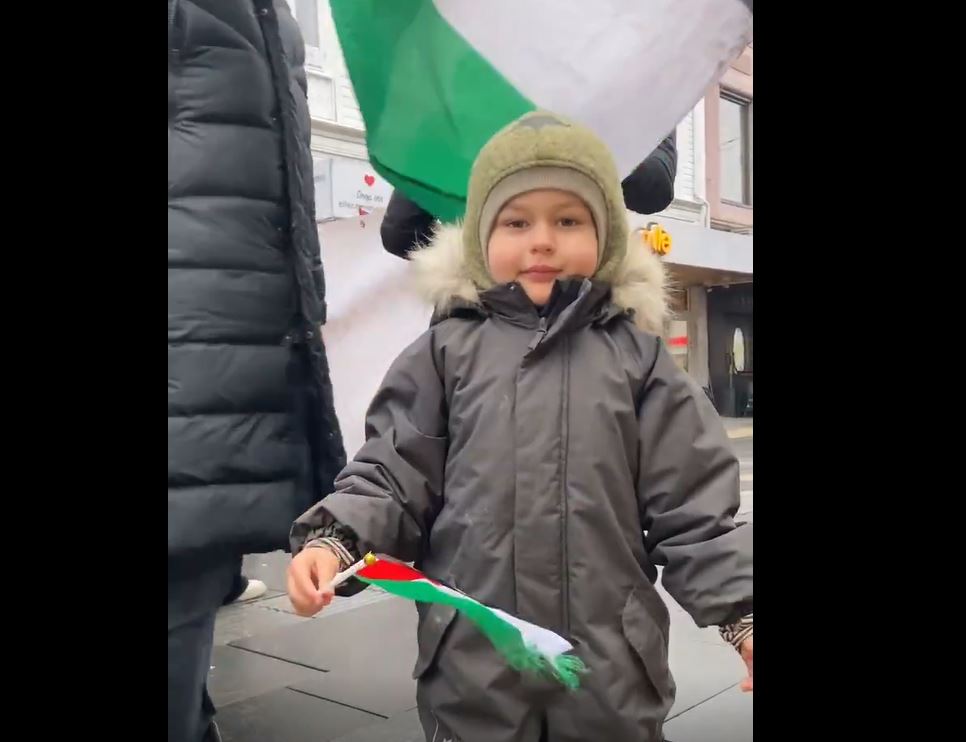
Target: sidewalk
x=345, y=676
x=739, y=427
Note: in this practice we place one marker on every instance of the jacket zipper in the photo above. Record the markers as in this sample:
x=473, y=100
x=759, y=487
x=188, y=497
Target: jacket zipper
x=308, y=301
x=538, y=338
x=565, y=435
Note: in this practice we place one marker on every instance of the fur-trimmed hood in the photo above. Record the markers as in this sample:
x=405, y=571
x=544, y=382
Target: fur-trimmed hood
x=640, y=284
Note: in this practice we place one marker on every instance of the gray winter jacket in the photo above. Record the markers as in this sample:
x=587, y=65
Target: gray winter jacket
x=546, y=466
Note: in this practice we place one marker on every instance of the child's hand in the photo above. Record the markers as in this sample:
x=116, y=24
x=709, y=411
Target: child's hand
x=746, y=654
x=309, y=576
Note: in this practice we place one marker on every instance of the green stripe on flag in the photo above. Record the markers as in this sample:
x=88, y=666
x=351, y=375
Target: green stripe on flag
x=429, y=100
x=505, y=637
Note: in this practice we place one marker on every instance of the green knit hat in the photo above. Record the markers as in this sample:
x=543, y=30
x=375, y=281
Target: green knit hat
x=544, y=150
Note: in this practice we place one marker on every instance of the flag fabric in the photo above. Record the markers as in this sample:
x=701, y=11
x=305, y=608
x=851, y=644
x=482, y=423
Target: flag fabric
x=436, y=78
x=526, y=647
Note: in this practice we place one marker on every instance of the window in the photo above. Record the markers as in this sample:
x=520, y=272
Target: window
x=307, y=14
x=735, y=147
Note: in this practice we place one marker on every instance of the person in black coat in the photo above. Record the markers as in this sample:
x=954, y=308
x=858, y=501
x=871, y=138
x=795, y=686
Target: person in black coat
x=647, y=190
x=253, y=438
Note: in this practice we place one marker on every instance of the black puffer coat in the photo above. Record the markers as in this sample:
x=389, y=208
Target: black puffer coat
x=253, y=438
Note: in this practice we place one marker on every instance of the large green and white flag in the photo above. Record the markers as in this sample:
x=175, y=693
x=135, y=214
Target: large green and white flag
x=436, y=78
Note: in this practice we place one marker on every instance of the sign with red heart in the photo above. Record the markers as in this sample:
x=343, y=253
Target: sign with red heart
x=355, y=186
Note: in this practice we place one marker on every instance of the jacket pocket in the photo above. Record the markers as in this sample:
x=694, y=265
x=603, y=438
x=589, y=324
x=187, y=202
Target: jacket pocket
x=434, y=620
x=646, y=622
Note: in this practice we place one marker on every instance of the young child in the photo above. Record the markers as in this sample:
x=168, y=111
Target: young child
x=539, y=449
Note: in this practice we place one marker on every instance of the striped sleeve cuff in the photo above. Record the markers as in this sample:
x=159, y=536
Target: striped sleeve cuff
x=736, y=633
x=340, y=539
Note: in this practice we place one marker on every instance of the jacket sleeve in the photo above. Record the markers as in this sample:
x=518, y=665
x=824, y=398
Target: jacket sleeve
x=405, y=225
x=688, y=492
x=390, y=493
x=650, y=187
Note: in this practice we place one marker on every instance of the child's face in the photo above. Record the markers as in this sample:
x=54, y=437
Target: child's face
x=540, y=236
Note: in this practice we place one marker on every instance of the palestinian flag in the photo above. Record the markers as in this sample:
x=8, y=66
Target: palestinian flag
x=525, y=646
x=435, y=79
